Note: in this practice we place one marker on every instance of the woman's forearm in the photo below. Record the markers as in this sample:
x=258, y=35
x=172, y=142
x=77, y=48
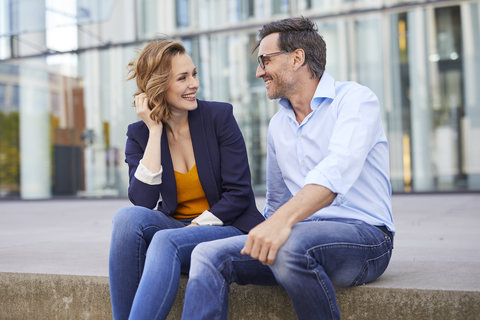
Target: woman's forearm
x=153, y=155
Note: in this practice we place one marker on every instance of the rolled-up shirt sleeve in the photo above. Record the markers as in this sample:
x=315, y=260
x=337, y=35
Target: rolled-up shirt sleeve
x=208, y=219
x=146, y=176
x=354, y=134
x=140, y=193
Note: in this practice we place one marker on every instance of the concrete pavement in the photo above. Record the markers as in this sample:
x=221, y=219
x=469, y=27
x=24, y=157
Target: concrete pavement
x=435, y=245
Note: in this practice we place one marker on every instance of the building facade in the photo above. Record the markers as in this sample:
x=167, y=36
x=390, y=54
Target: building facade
x=65, y=104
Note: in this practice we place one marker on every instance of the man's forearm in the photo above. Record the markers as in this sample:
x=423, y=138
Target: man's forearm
x=264, y=240
x=306, y=202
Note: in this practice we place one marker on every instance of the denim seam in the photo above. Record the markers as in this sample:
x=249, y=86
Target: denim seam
x=222, y=265
x=310, y=263
x=356, y=282
x=325, y=291
x=221, y=268
x=222, y=295
x=139, y=258
x=345, y=245
x=141, y=238
x=169, y=284
x=150, y=226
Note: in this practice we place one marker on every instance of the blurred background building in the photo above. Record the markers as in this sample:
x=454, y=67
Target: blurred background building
x=65, y=104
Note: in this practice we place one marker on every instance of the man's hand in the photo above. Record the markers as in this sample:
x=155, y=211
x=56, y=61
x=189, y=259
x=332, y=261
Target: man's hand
x=264, y=240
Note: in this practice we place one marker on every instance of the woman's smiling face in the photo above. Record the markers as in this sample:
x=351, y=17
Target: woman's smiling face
x=184, y=83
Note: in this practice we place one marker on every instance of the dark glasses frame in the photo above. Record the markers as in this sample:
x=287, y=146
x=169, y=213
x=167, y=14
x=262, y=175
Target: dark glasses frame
x=260, y=57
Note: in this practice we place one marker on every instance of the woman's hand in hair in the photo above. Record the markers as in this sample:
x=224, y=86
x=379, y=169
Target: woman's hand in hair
x=143, y=111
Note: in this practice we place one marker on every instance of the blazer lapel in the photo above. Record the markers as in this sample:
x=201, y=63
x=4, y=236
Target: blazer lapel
x=169, y=185
x=202, y=159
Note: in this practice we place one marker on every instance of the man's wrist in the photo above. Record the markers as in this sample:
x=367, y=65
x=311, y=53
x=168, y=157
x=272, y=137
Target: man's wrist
x=283, y=217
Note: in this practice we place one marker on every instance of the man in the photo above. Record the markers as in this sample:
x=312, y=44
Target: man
x=328, y=192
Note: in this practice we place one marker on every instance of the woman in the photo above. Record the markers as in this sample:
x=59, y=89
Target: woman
x=187, y=159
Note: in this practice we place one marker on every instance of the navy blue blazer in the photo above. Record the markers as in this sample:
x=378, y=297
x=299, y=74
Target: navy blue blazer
x=222, y=165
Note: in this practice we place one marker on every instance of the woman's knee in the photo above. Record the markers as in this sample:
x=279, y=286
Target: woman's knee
x=171, y=242
x=132, y=222
x=125, y=219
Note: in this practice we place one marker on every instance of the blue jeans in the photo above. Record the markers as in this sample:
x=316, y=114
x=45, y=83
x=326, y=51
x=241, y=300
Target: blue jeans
x=316, y=256
x=148, y=252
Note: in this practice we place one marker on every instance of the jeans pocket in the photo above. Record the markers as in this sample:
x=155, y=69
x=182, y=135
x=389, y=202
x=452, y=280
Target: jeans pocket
x=373, y=269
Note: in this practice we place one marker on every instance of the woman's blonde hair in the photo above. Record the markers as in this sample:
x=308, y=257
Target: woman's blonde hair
x=152, y=69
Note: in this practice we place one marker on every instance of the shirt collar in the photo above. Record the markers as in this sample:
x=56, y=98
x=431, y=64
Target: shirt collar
x=325, y=90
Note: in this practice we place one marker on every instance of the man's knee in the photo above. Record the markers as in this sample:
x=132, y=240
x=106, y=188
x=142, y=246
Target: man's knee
x=215, y=254
x=204, y=253
x=290, y=258
x=201, y=259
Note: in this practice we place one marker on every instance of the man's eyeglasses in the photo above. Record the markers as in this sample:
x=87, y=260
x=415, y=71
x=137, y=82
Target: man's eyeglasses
x=260, y=58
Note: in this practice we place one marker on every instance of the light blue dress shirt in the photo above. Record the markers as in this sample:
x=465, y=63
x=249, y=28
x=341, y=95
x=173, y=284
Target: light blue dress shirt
x=340, y=145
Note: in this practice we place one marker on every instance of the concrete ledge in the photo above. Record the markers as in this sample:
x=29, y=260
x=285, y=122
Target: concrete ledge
x=42, y=296
x=39, y=296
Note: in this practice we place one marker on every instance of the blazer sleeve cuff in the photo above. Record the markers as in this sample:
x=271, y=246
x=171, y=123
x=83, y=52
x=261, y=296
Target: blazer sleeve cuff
x=146, y=176
x=208, y=219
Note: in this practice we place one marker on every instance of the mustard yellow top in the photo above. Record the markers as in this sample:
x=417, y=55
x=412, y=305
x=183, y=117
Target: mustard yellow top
x=191, y=199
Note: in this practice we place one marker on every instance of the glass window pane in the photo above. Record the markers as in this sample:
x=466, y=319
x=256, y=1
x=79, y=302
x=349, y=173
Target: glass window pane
x=183, y=13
